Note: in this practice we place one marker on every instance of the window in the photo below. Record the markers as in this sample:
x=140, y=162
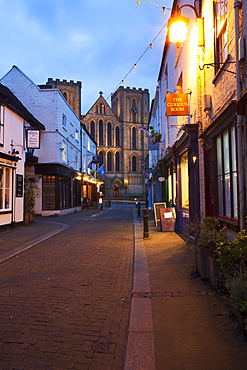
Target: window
x=102, y=109
x=133, y=138
x=134, y=163
x=117, y=162
x=221, y=38
x=101, y=159
x=65, y=96
x=227, y=173
x=77, y=135
x=49, y=192
x=64, y=151
x=92, y=129
x=5, y=188
x=109, y=161
x=109, y=136
x=134, y=111
x=64, y=121
x=117, y=136
x=101, y=132
x=1, y=124
x=64, y=192
x=171, y=186
x=184, y=180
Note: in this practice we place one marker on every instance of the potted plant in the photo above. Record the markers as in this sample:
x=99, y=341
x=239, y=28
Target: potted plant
x=29, y=199
x=204, y=236
x=232, y=256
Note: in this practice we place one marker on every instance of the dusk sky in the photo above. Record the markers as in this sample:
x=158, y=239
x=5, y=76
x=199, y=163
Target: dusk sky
x=96, y=42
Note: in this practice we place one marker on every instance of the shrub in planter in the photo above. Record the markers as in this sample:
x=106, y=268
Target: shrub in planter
x=232, y=256
x=203, y=241
x=30, y=186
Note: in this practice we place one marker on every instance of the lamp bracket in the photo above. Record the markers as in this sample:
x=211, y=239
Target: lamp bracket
x=216, y=64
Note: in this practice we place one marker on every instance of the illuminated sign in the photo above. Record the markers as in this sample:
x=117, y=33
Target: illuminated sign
x=177, y=104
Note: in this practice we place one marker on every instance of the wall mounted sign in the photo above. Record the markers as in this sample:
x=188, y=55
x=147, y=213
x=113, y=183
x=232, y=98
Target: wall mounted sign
x=177, y=104
x=19, y=186
x=33, y=139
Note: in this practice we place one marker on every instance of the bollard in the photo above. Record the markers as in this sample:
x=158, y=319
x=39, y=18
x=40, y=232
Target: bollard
x=145, y=224
x=139, y=209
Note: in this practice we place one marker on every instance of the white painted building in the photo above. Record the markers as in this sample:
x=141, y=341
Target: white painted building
x=66, y=147
x=14, y=120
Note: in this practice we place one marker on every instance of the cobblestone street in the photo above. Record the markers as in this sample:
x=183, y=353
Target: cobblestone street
x=65, y=302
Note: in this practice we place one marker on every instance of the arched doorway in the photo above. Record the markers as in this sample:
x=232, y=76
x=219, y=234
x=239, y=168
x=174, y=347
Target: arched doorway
x=116, y=191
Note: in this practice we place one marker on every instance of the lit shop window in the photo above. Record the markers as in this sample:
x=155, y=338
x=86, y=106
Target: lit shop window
x=5, y=188
x=1, y=124
x=227, y=173
x=184, y=177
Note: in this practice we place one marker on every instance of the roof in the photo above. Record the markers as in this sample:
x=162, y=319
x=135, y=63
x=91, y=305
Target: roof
x=10, y=100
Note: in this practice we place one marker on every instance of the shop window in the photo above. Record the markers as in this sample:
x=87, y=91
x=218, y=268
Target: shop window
x=64, y=192
x=184, y=180
x=171, y=186
x=5, y=188
x=227, y=173
x=1, y=124
x=49, y=186
x=76, y=193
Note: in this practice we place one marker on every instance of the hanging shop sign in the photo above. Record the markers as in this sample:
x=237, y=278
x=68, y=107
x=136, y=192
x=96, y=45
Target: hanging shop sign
x=177, y=104
x=33, y=139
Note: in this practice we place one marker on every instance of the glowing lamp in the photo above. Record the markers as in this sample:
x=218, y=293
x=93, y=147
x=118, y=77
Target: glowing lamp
x=178, y=29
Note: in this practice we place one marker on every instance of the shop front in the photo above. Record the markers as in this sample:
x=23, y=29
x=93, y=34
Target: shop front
x=186, y=163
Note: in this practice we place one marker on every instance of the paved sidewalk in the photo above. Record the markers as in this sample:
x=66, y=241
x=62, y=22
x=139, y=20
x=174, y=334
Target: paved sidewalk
x=23, y=237
x=192, y=327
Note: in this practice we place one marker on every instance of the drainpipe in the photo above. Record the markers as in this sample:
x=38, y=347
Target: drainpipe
x=239, y=123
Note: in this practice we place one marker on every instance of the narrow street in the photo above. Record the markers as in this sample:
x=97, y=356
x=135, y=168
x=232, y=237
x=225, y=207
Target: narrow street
x=65, y=302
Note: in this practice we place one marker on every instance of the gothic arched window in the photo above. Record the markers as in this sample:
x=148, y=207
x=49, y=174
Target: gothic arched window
x=117, y=136
x=134, y=163
x=92, y=129
x=109, y=135
x=109, y=161
x=117, y=162
x=133, y=138
x=101, y=132
x=101, y=158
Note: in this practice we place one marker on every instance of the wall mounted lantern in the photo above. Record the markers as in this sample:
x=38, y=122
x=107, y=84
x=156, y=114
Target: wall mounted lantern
x=178, y=27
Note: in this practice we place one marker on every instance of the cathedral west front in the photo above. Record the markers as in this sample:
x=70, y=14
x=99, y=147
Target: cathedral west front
x=119, y=131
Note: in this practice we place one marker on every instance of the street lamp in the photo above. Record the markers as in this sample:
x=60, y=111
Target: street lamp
x=178, y=27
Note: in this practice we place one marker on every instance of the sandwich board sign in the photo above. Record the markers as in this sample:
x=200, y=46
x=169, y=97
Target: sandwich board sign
x=167, y=219
x=157, y=207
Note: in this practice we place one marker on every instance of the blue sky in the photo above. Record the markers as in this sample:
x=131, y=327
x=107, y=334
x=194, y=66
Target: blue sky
x=93, y=41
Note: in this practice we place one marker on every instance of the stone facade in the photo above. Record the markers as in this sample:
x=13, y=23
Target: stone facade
x=71, y=91
x=122, y=145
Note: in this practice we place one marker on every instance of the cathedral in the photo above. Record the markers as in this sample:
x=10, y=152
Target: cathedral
x=120, y=134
